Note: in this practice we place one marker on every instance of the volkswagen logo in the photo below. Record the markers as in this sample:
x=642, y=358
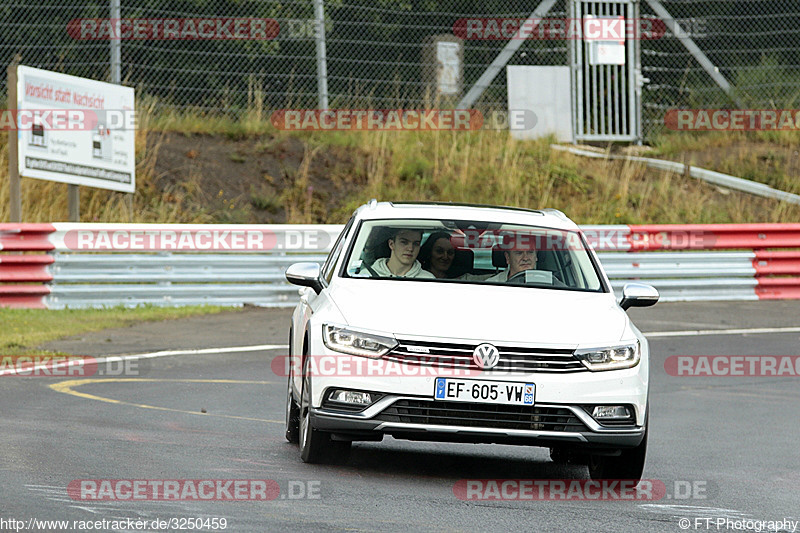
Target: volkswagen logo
x=486, y=356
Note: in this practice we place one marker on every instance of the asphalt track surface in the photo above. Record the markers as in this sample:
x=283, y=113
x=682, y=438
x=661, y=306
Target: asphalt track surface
x=220, y=416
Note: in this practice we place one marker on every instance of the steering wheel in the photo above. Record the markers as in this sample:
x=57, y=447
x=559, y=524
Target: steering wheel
x=520, y=279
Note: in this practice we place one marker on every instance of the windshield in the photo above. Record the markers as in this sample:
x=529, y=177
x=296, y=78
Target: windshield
x=471, y=251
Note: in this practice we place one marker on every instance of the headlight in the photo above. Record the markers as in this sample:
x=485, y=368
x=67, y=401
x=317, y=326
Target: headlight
x=354, y=342
x=612, y=358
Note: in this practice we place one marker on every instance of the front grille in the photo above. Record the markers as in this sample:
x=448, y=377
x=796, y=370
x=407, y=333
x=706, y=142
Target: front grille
x=525, y=417
x=512, y=359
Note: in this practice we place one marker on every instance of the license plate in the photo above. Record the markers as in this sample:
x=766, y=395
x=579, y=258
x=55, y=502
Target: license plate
x=473, y=390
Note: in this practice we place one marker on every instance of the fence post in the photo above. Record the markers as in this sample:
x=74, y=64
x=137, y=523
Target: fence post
x=116, y=43
x=15, y=196
x=322, y=59
x=116, y=77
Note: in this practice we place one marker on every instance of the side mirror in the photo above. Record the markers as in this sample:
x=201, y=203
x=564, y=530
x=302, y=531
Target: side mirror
x=638, y=295
x=305, y=275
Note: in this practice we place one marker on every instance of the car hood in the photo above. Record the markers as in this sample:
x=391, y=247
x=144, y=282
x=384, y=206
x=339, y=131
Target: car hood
x=482, y=313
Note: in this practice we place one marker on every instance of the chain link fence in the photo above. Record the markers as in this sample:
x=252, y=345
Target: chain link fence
x=754, y=45
x=380, y=54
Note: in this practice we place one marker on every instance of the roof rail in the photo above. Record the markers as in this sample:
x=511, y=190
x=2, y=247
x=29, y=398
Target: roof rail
x=461, y=204
x=555, y=212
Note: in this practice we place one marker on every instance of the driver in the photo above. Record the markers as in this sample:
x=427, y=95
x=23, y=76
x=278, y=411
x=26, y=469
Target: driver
x=402, y=262
x=520, y=256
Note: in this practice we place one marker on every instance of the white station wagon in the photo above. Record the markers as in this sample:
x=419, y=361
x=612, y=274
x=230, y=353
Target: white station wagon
x=466, y=323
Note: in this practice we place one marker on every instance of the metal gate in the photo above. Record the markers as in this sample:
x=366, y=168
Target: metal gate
x=605, y=74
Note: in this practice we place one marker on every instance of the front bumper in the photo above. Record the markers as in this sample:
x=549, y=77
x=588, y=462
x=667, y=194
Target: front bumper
x=553, y=390
x=548, y=425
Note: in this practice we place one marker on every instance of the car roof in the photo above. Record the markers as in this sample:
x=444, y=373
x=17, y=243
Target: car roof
x=548, y=218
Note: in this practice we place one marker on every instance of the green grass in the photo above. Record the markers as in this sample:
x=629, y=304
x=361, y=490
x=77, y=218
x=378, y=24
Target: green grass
x=676, y=143
x=253, y=124
x=769, y=157
x=489, y=167
x=23, y=330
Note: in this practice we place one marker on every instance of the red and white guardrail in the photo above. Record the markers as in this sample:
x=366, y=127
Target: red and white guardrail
x=34, y=256
x=659, y=237
x=775, y=274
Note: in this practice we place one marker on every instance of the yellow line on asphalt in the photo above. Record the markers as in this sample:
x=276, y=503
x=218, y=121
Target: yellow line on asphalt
x=66, y=387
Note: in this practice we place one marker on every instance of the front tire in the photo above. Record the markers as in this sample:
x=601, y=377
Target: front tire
x=292, y=414
x=629, y=465
x=317, y=446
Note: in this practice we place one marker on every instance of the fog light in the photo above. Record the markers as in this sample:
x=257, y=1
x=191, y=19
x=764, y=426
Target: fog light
x=351, y=397
x=611, y=412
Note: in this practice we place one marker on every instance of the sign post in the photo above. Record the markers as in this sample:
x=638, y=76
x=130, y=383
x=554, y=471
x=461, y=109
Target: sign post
x=74, y=203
